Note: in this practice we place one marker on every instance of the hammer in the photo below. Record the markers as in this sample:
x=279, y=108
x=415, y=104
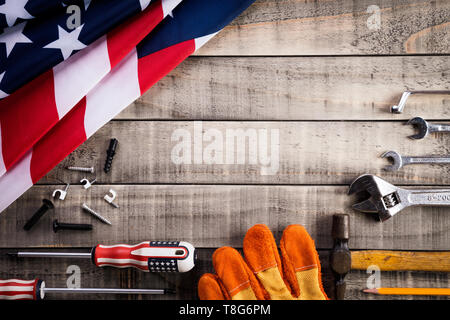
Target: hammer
x=340, y=257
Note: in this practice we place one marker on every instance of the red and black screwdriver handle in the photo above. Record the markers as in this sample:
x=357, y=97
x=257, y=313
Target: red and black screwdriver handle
x=153, y=256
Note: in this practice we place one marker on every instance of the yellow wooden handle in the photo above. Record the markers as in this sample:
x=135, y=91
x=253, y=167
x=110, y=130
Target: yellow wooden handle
x=401, y=260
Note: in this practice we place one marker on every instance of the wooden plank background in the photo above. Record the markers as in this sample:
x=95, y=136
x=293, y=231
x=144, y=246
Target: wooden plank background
x=313, y=71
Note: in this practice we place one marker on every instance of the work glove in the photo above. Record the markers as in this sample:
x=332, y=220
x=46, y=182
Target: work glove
x=264, y=275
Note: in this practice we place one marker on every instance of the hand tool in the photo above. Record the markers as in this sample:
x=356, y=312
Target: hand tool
x=62, y=193
x=425, y=128
x=110, y=199
x=340, y=257
x=81, y=169
x=70, y=226
x=400, y=161
x=387, y=199
x=110, y=154
x=95, y=214
x=15, y=289
x=438, y=261
x=401, y=105
x=410, y=291
x=47, y=204
x=86, y=183
x=153, y=256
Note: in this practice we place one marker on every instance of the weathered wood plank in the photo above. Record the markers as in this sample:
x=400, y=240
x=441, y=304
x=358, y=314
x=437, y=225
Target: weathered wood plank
x=53, y=271
x=299, y=153
x=323, y=27
x=214, y=216
x=297, y=88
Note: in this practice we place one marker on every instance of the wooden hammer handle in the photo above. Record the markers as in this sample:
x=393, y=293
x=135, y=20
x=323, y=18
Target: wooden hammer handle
x=401, y=260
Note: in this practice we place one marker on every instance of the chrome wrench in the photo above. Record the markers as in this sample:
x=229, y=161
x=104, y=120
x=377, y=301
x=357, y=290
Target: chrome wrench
x=425, y=128
x=387, y=199
x=400, y=161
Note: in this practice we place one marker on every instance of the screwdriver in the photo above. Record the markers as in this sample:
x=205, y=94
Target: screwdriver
x=15, y=289
x=150, y=256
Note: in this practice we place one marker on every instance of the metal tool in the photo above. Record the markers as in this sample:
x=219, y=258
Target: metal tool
x=425, y=128
x=110, y=154
x=81, y=169
x=387, y=199
x=110, y=199
x=86, y=183
x=95, y=214
x=401, y=105
x=47, y=205
x=149, y=256
x=340, y=257
x=62, y=193
x=400, y=161
x=15, y=289
x=70, y=226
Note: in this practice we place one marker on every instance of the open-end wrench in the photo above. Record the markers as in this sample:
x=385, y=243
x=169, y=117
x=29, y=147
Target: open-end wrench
x=400, y=161
x=387, y=199
x=425, y=128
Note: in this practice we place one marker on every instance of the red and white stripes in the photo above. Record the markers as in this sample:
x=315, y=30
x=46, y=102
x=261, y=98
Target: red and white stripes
x=109, y=97
x=33, y=110
x=15, y=289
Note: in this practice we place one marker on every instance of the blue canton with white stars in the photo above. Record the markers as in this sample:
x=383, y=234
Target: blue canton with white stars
x=35, y=35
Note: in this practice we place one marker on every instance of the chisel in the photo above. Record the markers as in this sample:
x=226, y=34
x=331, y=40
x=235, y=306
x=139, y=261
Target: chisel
x=153, y=256
x=15, y=289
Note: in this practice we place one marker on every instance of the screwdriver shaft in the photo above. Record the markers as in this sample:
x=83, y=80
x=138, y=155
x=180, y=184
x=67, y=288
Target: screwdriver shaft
x=105, y=290
x=52, y=255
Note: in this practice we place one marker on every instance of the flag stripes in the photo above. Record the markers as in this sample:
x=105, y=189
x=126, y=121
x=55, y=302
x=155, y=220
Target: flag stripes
x=50, y=138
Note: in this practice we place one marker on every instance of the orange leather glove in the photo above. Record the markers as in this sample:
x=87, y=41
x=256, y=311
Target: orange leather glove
x=264, y=275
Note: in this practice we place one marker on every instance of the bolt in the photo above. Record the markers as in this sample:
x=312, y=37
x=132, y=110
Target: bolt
x=95, y=214
x=110, y=154
x=70, y=226
x=91, y=169
x=47, y=204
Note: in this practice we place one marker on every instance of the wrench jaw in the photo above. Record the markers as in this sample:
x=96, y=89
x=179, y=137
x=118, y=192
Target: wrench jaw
x=421, y=125
x=396, y=160
x=383, y=197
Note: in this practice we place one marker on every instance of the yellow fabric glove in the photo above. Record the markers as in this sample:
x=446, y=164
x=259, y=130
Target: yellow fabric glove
x=264, y=275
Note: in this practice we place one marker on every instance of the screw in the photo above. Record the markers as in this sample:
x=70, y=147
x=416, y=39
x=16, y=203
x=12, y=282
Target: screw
x=70, y=226
x=110, y=154
x=47, y=204
x=95, y=214
x=91, y=169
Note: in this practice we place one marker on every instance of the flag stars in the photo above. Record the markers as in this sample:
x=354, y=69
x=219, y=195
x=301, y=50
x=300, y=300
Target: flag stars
x=67, y=42
x=2, y=93
x=14, y=9
x=12, y=36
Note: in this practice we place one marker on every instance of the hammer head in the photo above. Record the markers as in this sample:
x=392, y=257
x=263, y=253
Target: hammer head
x=340, y=257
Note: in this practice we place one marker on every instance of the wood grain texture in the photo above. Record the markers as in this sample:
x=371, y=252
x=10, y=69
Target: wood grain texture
x=213, y=216
x=309, y=153
x=324, y=27
x=53, y=272
x=402, y=260
x=297, y=88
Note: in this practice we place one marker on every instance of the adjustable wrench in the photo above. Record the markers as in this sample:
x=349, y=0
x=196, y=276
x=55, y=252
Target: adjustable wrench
x=400, y=161
x=387, y=199
x=425, y=128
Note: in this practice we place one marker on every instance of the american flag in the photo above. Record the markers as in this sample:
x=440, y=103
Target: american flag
x=87, y=80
